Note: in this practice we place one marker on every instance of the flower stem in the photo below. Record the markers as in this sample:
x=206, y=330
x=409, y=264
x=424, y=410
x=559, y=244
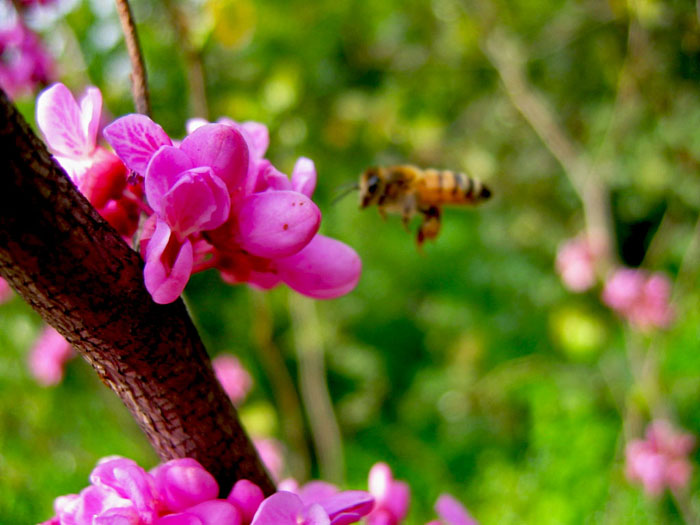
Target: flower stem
x=286, y=396
x=314, y=389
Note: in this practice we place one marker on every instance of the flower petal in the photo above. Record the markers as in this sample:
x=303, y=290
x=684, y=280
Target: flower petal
x=282, y=508
x=90, y=111
x=168, y=265
x=222, y=148
x=277, y=223
x=162, y=173
x=304, y=176
x=452, y=511
x=257, y=136
x=59, y=118
x=182, y=483
x=135, y=138
x=348, y=506
x=198, y=201
x=216, y=512
x=324, y=269
x=247, y=497
x=314, y=515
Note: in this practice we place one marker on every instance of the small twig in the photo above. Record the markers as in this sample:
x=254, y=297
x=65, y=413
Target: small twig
x=314, y=389
x=503, y=54
x=139, y=82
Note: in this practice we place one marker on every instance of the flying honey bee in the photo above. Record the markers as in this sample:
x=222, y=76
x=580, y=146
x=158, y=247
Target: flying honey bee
x=409, y=190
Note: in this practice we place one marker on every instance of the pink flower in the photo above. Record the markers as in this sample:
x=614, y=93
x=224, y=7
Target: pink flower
x=392, y=497
x=48, y=357
x=70, y=129
x=660, y=460
x=5, y=291
x=234, y=379
x=641, y=298
x=24, y=63
x=576, y=263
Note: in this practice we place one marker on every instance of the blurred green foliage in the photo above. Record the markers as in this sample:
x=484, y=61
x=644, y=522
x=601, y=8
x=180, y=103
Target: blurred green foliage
x=469, y=369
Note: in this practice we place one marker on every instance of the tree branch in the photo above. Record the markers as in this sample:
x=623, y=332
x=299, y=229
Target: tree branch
x=82, y=278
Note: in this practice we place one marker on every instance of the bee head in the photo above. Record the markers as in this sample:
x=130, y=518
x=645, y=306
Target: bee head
x=371, y=183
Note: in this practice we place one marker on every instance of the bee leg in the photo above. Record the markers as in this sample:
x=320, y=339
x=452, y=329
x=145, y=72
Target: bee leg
x=382, y=212
x=430, y=227
x=409, y=208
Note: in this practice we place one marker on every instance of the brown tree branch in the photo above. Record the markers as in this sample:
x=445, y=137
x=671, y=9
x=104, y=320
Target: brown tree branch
x=82, y=278
x=139, y=82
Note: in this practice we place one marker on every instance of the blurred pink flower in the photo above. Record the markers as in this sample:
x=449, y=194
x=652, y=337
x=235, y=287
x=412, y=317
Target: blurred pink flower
x=391, y=497
x=271, y=454
x=48, y=357
x=24, y=63
x=234, y=379
x=641, y=298
x=70, y=129
x=452, y=512
x=575, y=263
x=660, y=460
x=5, y=291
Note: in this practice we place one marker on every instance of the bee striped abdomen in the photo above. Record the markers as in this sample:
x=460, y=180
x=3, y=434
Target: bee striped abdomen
x=449, y=187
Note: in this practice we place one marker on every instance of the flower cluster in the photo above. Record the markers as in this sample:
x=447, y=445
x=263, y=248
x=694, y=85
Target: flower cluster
x=219, y=204
x=24, y=63
x=641, y=298
x=214, y=201
x=660, y=460
x=181, y=492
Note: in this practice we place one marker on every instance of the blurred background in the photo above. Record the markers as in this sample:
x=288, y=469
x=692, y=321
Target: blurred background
x=472, y=368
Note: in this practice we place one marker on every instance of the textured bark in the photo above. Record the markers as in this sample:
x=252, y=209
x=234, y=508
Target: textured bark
x=75, y=270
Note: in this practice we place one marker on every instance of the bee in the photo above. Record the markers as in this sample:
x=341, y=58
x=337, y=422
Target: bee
x=409, y=190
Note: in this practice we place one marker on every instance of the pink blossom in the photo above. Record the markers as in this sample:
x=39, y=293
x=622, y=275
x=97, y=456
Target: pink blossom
x=392, y=497
x=220, y=204
x=48, y=357
x=661, y=459
x=70, y=129
x=24, y=63
x=5, y=291
x=641, y=298
x=234, y=379
x=576, y=263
